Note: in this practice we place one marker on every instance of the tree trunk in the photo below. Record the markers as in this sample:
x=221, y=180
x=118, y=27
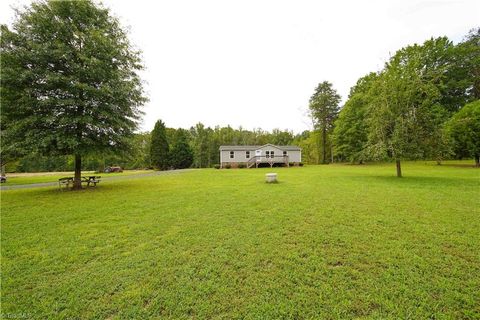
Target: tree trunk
x=477, y=161
x=101, y=167
x=324, y=146
x=77, y=180
x=399, y=169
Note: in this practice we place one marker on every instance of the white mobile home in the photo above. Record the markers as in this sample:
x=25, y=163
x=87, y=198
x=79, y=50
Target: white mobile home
x=254, y=156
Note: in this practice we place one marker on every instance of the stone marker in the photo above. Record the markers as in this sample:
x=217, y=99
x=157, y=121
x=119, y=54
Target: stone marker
x=271, y=177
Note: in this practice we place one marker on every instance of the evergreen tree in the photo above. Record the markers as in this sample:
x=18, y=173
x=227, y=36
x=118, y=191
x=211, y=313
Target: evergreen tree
x=159, y=149
x=69, y=81
x=323, y=107
x=181, y=154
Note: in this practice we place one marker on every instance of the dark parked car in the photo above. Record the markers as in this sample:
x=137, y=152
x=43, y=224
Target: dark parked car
x=3, y=179
x=113, y=169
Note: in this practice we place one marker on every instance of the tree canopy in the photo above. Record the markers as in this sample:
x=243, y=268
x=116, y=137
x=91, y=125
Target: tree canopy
x=401, y=107
x=401, y=111
x=70, y=82
x=70, y=89
x=464, y=128
x=350, y=132
x=181, y=154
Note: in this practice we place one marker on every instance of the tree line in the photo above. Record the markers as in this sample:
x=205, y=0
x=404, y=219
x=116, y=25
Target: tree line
x=71, y=98
x=424, y=104
x=164, y=148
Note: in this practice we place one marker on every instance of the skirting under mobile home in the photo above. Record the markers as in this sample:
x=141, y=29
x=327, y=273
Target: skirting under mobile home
x=254, y=156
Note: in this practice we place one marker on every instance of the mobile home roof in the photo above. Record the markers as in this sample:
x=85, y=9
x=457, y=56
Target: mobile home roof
x=253, y=148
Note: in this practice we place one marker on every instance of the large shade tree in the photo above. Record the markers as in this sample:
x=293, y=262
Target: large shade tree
x=405, y=113
x=69, y=81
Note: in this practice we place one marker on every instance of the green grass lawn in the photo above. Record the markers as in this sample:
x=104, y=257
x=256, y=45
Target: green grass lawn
x=334, y=241
x=26, y=178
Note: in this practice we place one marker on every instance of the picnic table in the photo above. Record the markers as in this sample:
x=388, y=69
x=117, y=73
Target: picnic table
x=68, y=181
x=91, y=179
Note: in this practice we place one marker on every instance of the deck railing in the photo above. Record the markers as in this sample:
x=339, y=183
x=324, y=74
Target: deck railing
x=256, y=160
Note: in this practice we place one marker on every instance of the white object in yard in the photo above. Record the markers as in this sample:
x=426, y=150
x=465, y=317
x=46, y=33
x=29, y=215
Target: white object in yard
x=271, y=177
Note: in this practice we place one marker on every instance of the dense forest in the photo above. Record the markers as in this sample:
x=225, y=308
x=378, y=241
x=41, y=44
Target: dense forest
x=424, y=104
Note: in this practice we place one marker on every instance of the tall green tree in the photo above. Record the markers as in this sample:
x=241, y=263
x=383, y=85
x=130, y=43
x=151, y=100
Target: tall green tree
x=323, y=110
x=202, y=147
x=464, y=128
x=350, y=134
x=404, y=111
x=69, y=81
x=181, y=155
x=308, y=141
x=159, y=147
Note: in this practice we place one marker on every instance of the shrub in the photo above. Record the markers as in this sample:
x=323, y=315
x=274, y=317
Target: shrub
x=228, y=166
x=301, y=164
x=241, y=165
x=291, y=164
x=216, y=166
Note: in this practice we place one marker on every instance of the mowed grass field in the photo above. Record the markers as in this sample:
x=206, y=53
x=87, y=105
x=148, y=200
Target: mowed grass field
x=334, y=241
x=41, y=177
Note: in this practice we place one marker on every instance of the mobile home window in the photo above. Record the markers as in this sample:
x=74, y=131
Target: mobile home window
x=267, y=154
x=232, y=154
x=272, y=154
x=284, y=153
x=247, y=154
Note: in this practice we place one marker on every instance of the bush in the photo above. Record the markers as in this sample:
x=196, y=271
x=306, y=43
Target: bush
x=301, y=164
x=216, y=166
x=241, y=165
x=228, y=166
x=291, y=164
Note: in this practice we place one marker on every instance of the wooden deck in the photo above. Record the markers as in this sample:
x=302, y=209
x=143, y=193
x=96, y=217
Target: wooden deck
x=271, y=160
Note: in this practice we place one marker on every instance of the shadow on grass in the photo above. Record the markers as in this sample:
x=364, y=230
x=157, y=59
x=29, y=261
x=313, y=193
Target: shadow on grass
x=458, y=165
x=412, y=181
x=116, y=187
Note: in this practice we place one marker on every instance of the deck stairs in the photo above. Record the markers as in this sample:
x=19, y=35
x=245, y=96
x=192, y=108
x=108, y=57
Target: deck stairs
x=256, y=160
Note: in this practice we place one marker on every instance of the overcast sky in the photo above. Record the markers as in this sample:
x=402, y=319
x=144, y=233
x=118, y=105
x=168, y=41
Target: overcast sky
x=256, y=63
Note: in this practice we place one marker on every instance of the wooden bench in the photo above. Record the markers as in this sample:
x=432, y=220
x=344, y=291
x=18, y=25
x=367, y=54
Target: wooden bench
x=65, y=182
